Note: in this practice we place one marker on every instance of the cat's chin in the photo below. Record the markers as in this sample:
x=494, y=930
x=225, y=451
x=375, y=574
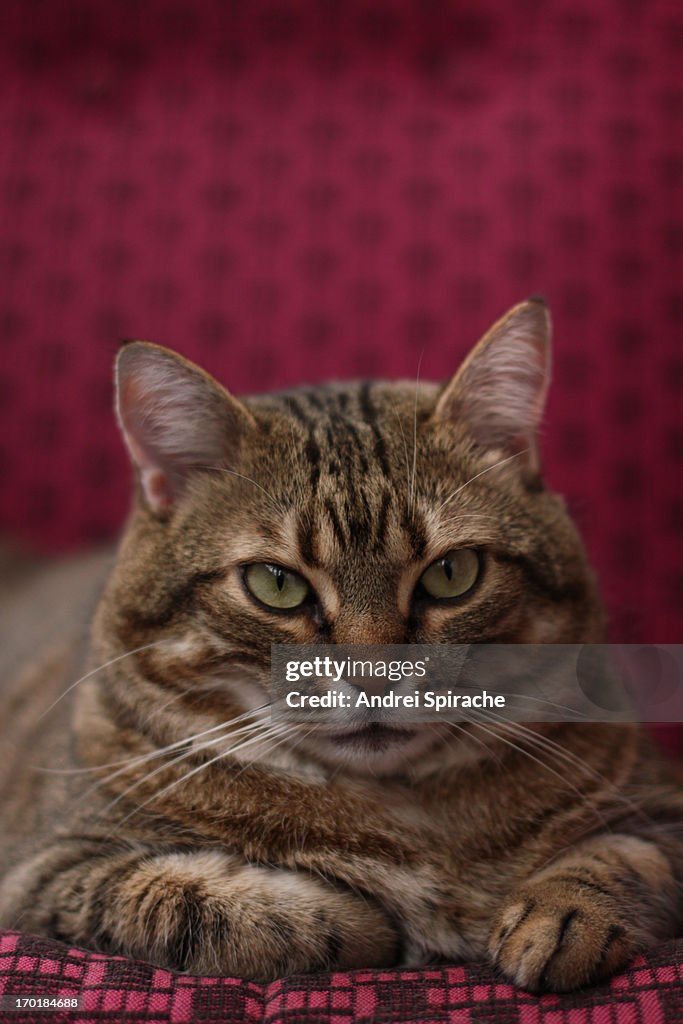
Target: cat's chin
x=375, y=749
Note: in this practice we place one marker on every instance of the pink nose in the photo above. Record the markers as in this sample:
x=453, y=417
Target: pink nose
x=374, y=687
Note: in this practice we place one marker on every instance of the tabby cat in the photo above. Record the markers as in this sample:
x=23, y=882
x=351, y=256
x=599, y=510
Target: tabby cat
x=152, y=807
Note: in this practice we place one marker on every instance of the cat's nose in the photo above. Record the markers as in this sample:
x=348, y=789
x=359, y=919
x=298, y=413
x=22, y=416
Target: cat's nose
x=374, y=687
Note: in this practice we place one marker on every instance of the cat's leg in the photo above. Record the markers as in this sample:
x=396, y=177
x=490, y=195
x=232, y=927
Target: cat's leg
x=582, y=917
x=204, y=912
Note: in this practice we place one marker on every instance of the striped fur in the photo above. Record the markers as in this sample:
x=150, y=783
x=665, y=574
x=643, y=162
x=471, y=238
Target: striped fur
x=155, y=811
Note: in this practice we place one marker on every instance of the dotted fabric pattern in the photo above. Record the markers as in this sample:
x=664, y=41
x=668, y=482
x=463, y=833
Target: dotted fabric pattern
x=293, y=192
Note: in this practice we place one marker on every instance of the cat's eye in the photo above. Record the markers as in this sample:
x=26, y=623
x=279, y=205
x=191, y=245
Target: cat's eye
x=453, y=575
x=276, y=587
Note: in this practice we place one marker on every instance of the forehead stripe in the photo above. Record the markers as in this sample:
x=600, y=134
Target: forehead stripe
x=314, y=455
x=381, y=525
x=370, y=415
x=305, y=541
x=296, y=408
x=337, y=527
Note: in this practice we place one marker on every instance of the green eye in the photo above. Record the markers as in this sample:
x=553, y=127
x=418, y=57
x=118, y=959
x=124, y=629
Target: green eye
x=452, y=575
x=275, y=586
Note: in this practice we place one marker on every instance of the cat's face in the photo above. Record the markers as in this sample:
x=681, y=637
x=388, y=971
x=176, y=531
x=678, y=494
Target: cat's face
x=354, y=513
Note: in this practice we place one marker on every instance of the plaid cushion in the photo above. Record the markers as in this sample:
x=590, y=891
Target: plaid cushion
x=119, y=990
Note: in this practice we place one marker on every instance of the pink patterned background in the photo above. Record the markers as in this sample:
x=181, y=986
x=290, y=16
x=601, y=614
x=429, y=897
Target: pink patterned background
x=288, y=192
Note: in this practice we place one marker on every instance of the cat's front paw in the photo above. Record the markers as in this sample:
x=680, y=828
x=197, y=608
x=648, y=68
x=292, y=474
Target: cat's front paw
x=556, y=936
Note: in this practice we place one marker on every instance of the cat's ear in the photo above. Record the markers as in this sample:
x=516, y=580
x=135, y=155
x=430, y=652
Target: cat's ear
x=498, y=394
x=175, y=418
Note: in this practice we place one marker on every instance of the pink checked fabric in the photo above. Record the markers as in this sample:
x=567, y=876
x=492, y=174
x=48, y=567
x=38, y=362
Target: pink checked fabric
x=112, y=989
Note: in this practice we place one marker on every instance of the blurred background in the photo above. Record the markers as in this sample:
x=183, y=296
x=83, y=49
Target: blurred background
x=288, y=192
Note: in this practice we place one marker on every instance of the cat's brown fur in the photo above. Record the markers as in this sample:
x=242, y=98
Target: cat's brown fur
x=257, y=850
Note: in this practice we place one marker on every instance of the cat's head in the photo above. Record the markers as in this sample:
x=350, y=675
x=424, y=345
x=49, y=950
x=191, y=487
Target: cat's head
x=365, y=512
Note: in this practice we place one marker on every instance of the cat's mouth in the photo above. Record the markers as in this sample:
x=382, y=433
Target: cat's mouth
x=376, y=736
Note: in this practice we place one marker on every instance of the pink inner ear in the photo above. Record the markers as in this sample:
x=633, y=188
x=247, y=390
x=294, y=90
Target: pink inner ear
x=175, y=420
x=155, y=484
x=507, y=391
x=499, y=392
x=154, y=481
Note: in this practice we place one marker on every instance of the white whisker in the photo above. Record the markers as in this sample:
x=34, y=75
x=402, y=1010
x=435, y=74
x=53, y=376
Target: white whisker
x=94, y=671
x=405, y=449
x=552, y=748
x=136, y=763
x=526, y=753
x=489, y=469
x=417, y=386
x=193, y=751
x=142, y=758
x=277, y=504
x=272, y=731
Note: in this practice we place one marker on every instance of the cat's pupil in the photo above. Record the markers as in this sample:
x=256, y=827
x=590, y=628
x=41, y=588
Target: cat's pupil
x=279, y=579
x=447, y=568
